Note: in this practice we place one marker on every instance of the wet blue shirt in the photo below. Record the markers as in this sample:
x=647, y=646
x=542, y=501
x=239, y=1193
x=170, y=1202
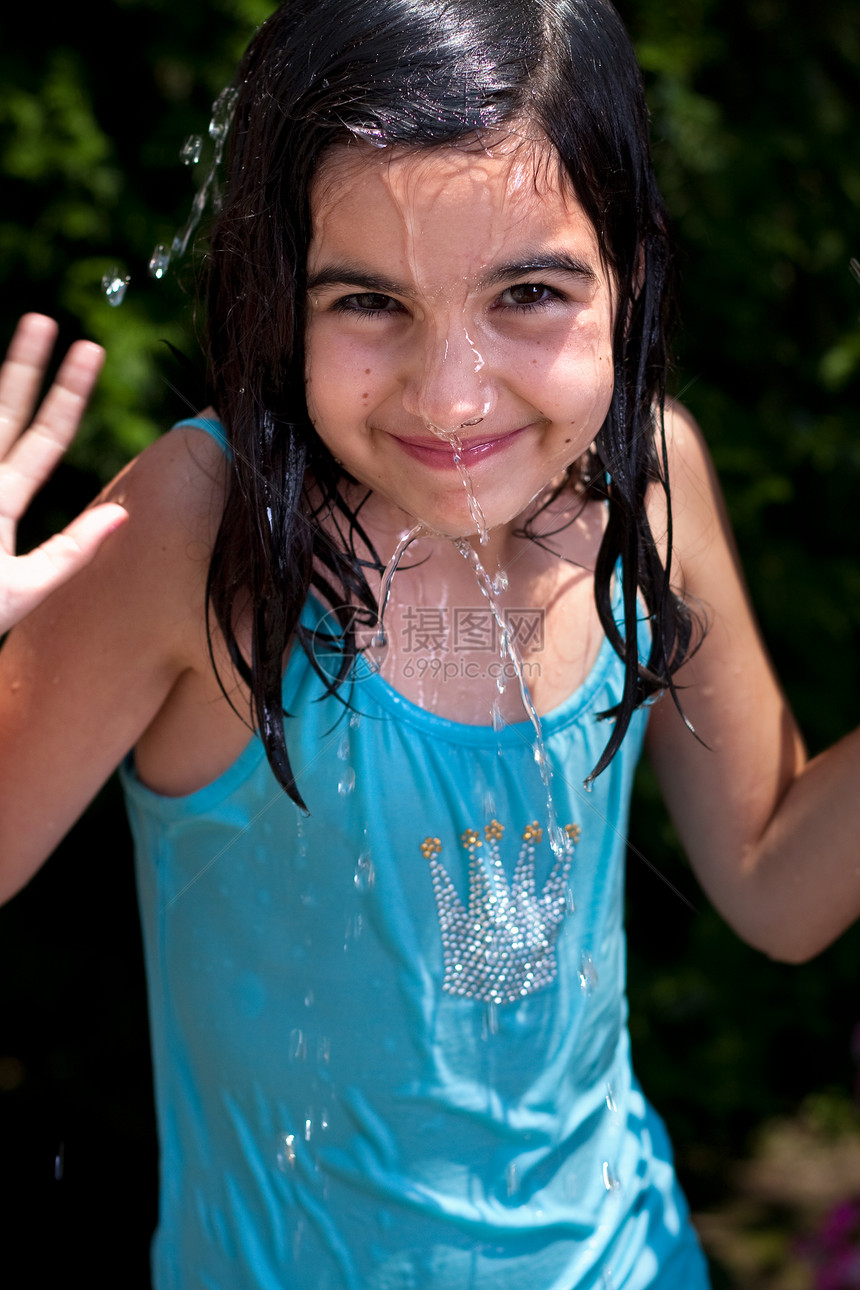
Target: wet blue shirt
x=390, y=1038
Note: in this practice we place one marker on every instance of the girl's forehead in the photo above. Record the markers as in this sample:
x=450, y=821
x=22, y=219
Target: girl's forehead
x=471, y=196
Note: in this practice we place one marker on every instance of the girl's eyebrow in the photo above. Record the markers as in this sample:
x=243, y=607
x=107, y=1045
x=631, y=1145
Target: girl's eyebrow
x=349, y=275
x=343, y=275
x=554, y=262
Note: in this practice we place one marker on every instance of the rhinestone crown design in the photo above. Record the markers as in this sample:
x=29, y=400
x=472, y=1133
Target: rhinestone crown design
x=501, y=946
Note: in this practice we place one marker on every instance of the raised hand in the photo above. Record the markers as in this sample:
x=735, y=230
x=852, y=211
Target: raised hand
x=29, y=451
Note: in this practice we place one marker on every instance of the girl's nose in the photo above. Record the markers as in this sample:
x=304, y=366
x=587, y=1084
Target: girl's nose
x=449, y=387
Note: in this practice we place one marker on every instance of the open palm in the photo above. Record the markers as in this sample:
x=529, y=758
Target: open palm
x=29, y=451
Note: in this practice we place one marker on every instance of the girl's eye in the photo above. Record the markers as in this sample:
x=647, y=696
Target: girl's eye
x=367, y=302
x=526, y=295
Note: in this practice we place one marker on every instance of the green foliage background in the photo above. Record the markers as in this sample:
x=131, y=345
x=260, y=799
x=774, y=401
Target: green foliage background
x=754, y=121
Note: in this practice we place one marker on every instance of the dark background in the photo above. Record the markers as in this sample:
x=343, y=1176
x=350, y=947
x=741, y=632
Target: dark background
x=754, y=111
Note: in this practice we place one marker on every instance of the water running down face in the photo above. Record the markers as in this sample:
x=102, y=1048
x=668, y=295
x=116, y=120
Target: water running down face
x=455, y=293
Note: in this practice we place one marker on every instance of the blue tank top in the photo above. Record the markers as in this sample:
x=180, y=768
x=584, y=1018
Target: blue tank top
x=389, y=1038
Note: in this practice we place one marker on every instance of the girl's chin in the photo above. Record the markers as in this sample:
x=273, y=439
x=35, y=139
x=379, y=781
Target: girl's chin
x=453, y=517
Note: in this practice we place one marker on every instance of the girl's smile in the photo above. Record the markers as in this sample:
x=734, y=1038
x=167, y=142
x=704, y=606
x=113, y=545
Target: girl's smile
x=457, y=304
x=441, y=455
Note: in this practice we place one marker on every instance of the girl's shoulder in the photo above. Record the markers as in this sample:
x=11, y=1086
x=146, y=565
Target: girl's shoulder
x=697, y=511
x=179, y=481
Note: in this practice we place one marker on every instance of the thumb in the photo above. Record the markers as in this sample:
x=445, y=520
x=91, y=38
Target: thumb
x=51, y=564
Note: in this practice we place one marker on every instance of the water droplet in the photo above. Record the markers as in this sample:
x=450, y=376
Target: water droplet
x=588, y=977
x=60, y=1162
x=298, y=1049
x=557, y=838
x=512, y=1179
x=611, y=1104
x=610, y=1182
x=114, y=285
x=324, y=1050
x=498, y=719
x=309, y=1127
x=222, y=111
x=323, y=1120
x=365, y=874
x=570, y=904
x=189, y=153
x=343, y=748
x=490, y=1021
x=354, y=720
x=500, y=582
x=309, y=999
x=354, y=928
x=286, y=1155
x=159, y=261
x=346, y=783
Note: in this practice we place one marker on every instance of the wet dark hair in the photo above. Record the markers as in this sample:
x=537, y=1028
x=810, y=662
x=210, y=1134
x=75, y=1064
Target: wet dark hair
x=421, y=73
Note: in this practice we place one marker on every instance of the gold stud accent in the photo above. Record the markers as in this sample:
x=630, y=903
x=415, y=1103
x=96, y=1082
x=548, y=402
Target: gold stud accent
x=471, y=839
x=430, y=847
x=532, y=832
x=493, y=831
x=573, y=831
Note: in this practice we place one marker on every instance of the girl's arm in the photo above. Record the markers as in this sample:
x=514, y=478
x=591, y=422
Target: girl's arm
x=87, y=672
x=773, y=839
x=28, y=454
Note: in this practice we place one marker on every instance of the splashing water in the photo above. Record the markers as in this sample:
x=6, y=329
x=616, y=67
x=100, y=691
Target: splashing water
x=490, y=1021
x=114, y=285
x=479, y=361
x=610, y=1181
x=387, y=578
x=189, y=153
x=455, y=443
x=286, y=1153
x=588, y=978
x=159, y=261
x=365, y=875
x=509, y=648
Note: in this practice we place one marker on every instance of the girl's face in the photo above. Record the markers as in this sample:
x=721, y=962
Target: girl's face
x=455, y=292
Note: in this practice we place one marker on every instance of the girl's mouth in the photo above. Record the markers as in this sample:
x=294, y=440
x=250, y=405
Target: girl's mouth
x=438, y=453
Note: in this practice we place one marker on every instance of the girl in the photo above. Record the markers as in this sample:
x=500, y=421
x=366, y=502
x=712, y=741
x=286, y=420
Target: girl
x=383, y=926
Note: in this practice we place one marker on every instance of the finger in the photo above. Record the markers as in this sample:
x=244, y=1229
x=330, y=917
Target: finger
x=22, y=373
x=55, y=561
x=31, y=459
